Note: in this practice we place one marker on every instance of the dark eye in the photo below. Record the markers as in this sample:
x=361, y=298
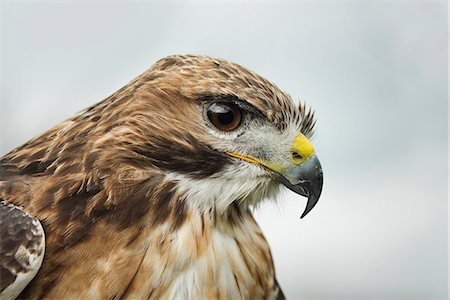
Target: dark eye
x=225, y=116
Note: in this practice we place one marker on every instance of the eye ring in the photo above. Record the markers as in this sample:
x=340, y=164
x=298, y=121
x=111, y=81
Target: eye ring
x=225, y=116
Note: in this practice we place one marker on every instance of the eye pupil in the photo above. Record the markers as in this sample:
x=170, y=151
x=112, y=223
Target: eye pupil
x=224, y=116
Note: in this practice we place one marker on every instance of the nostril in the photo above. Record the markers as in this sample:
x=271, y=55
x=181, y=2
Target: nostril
x=296, y=156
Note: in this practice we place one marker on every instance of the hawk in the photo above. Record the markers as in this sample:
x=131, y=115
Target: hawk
x=149, y=193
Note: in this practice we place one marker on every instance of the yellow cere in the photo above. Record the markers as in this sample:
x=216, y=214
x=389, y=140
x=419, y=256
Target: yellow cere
x=303, y=148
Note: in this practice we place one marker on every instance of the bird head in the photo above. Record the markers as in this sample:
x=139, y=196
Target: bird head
x=219, y=133
x=222, y=133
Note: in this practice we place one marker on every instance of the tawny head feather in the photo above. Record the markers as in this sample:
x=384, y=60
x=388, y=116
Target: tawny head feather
x=157, y=125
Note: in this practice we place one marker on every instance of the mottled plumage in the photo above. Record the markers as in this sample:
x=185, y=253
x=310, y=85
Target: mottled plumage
x=141, y=198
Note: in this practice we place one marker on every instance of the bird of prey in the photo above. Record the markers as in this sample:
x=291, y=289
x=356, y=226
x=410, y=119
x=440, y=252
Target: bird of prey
x=149, y=193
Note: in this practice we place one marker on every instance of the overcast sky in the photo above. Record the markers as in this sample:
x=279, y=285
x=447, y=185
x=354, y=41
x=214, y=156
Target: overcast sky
x=375, y=73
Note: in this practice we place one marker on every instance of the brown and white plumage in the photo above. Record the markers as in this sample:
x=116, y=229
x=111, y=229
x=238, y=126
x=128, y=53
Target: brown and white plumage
x=22, y=247
x=141, y=197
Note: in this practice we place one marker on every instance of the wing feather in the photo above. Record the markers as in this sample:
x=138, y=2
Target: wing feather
x=22, y=247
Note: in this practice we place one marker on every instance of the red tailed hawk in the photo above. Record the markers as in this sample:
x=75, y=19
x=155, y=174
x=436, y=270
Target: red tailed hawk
x=148, y=194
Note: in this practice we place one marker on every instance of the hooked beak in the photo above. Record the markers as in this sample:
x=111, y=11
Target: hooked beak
x=303, y=175
x=305, y=179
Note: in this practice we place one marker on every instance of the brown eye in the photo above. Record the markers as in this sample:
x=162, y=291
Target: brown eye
x=225, y=116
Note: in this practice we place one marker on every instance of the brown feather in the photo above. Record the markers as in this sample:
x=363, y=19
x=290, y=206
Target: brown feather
x=114, y=222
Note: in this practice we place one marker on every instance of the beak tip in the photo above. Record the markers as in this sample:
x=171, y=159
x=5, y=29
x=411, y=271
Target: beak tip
x=312, y=201
x=306, y=180
x=304, y=214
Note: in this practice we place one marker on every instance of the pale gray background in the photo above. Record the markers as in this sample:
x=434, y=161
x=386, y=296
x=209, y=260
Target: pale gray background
x=376, y=74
